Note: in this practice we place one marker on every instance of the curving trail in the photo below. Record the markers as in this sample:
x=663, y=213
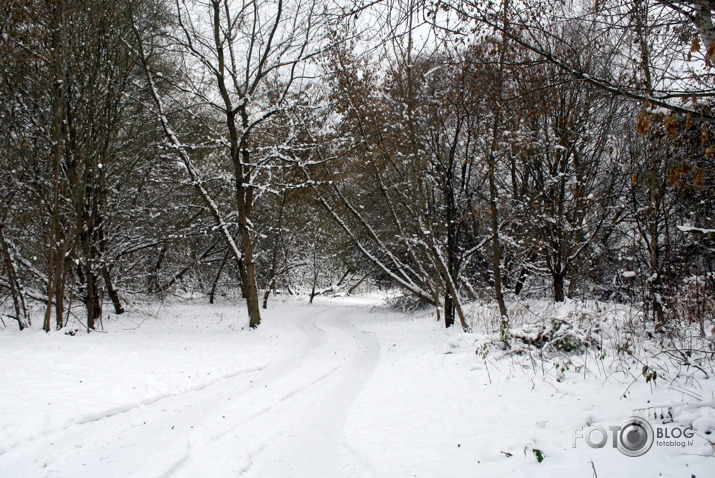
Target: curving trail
x=285, y=419
x=310, y=394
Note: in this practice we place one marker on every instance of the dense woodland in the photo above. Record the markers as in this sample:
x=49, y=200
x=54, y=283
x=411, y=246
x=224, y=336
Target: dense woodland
x=457, y=150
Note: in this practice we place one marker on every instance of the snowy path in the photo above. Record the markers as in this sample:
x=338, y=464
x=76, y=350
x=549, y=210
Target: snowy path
x=229, y=428
x=309, y=397
x=339, y=389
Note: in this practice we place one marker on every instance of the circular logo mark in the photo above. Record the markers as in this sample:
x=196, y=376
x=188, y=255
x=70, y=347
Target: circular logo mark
x=635, y=437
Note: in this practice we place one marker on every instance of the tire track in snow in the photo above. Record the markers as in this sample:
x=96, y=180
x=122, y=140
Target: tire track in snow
x=303, y=435
x=145, y=433
x=296, y=407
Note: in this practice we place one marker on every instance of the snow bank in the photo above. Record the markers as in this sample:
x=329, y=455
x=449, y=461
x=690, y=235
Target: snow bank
x=443, y=404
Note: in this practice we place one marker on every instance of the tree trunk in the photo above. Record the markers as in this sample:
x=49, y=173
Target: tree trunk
x=357, y=284
x=704, y=22
x=452, y=302
x=558, y=281
x=267, y=293
x=112, y=292
x=496, y=250
x=54, y=262
x=87, y=228
x=315, y=276
x=655, y=282
x=271, y=285
x=493, y=194
x=16, y=289
x=521, y=280
x=92, y=301
x=654, y=188
x=104, y=269
x=154, y=285
x=250, y=288
x=59, y=291
x=448, y=309
x=214, y=285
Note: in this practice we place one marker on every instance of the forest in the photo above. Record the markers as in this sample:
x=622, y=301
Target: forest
x=459, y=150
x=357, y=238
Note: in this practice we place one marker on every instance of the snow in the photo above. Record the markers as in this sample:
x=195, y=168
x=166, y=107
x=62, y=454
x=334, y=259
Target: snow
x=695, y=229
x=344, y=387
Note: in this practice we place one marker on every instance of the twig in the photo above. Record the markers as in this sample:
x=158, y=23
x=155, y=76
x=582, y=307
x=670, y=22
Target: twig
x=595, y=474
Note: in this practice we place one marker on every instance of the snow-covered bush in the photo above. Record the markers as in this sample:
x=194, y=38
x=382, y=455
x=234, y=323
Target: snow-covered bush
x=406, y=303
x=539, y=326
x=558, y=335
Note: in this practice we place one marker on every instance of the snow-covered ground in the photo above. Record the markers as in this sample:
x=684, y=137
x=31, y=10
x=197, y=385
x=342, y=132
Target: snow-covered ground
x=344, y=387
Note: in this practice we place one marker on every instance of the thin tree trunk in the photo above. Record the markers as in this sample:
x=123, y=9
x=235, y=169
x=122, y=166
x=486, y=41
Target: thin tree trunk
x=87, y=233
x=452, y=293
x=59, y=290
x=267, y=293
x=357, y=284
x=496, y=250
x=271, y=285
x=521, y=280
x=104, y=269
x=92, y=300
x=53, y=261
x=654, y=196
x=493, y=193
x=16, y=289
x=112, y=292
x=154, y=286
x=315, y=276
x=214, y=285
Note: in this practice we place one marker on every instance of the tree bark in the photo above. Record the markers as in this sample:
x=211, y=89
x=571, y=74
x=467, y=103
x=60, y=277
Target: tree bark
x=704, y=22
x=16, y=289
x=315, y=275
x=93, y=301
x=214, y=284
x=154, y=285
x=493, y=193
x=559, y=291
x=54, y=263
x=112, y=292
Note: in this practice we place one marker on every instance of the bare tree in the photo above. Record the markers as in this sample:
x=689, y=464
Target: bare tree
x=244, y=59
x=680, y=58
